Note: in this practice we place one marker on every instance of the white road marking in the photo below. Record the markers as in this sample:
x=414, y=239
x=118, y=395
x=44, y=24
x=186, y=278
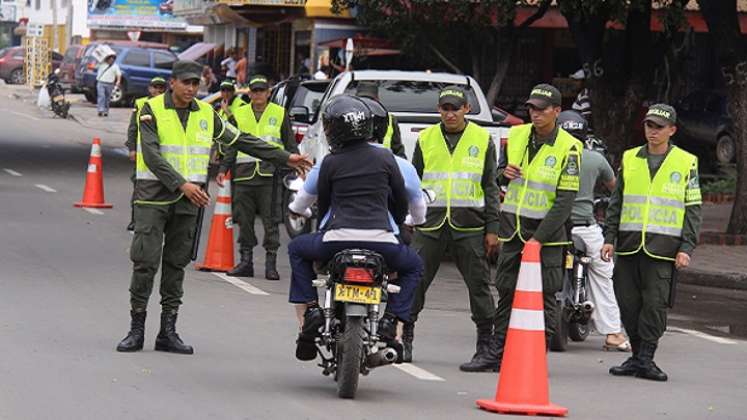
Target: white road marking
x=93, y=211
x=419, y=373
x=704, y=336
x=45, y=188
x=12, y=172
x=24, y=115
x=242, y=285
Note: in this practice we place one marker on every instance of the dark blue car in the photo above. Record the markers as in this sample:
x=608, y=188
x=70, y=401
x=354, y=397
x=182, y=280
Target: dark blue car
x=138, y=66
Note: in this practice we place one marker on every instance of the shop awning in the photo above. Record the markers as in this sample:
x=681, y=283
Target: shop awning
x=323, y=9
x=197, y=50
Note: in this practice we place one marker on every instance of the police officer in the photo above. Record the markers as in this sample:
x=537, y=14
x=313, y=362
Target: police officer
x=653, y=220
x=253, y=179
x=457, y=160
x=229, y=102
x=156, y=87
x=542, y=169
x=392, y=137
x=176, y=131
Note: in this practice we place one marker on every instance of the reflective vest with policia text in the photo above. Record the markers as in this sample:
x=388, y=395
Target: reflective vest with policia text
x=653, y=210
x=187, y=151
x=268, y=128
x=389, y=134
x=456, y=177
x=235, y=105
x=533, y=195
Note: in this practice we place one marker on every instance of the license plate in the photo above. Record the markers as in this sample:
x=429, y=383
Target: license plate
x=357, y=294
x=568, y=261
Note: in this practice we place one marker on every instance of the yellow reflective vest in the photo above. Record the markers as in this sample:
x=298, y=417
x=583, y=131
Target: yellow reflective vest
x=235, y=105
x=456, y=177
x=268, y=128
x=533, y=195
x=389, y=134
x=653, y=210
x=187, y=151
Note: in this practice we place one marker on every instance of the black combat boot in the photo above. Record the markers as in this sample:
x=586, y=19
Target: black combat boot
x=647, y=369
x=168, y=340
x=388, y=334
x=136, y=336
x=485, y=359
x=631, y=366
x=271, y=271
x=245, y=267
x=313, y=319
x=408, y=335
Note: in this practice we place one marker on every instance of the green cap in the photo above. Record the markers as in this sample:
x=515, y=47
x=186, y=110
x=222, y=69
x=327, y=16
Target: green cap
x=661, y=114
x=158, y=81
x=452, y=95
x=186, y=70
x=544, y=95
x=259, y=82
x=227, y=85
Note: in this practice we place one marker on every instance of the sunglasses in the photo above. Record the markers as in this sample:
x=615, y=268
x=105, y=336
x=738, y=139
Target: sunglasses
x=258, y=90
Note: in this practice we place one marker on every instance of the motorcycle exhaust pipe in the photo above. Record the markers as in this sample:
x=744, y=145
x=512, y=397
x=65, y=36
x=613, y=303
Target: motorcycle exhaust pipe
x=382, y=357
x=588, y=306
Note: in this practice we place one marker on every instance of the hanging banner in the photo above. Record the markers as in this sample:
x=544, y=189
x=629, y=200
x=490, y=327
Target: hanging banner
x=156, y=14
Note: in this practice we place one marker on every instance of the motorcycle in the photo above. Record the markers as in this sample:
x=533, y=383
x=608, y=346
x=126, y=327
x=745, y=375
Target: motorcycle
x=57, y=95
x=356, y=285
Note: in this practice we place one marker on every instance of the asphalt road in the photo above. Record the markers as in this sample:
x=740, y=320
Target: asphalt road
x=64, y=274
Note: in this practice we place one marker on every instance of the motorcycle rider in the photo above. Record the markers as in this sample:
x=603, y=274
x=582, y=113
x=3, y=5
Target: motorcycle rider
x=360, y=188
x=606, y=314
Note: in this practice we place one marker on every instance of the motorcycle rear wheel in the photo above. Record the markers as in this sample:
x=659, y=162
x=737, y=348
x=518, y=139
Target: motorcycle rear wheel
x=578, y=331
x=350, y=351
x=559, y=340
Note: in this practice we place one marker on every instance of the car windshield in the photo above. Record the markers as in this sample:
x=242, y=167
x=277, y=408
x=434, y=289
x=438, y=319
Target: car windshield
x=413, y=96
x=309, y=96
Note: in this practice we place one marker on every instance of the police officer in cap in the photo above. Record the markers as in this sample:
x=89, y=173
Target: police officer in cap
x=542, y=169
x=176, y=131
x=653, y=220
x=229, y=102
x=392, y=137
x=156, y=87
x=457, y=159
x=253, y=178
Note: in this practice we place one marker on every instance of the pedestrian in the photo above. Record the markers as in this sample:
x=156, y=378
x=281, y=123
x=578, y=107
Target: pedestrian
x=241, y=68
x=176, y=131
x=157, y=86
x=392, y=138
x=457, y=160
x=253, y=178
x=229, y=64
x=229, y=102
x=361, y=193
x=606, y=313
x=207, y=82
x=582, y=103
x=542, y=166
x=108, y=77
x=653, y=221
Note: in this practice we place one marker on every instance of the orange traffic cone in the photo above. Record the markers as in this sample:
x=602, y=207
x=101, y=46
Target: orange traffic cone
x=219, y=254
x=93, y=194
x=522, y=385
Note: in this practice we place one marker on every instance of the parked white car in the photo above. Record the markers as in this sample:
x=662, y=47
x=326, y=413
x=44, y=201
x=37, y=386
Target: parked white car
x=412, y=97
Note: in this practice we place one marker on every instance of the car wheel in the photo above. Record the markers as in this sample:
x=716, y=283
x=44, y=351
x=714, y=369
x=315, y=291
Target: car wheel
x=726, y=150
x=17, y=77
x=118, y=97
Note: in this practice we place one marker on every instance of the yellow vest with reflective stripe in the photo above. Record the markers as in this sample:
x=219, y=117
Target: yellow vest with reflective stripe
x=389, y=133
x=533, y=195
x=656, y=206
x=235, y=105
x=268, y=128
x=187, y=151
x=456, y=178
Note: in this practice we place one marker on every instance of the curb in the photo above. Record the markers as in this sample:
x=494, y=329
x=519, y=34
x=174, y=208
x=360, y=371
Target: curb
x=718, y=238
x=710, y=279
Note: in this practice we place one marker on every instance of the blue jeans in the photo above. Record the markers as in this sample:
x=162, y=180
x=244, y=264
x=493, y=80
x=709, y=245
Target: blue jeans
x=305, y=249
x=103, y=94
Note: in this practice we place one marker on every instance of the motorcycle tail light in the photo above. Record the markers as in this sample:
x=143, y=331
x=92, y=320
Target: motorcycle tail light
x=358, y=275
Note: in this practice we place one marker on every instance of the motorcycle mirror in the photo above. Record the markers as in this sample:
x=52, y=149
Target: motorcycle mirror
x=430, y=196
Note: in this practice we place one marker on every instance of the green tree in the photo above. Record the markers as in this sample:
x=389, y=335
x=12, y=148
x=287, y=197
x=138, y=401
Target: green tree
x=473, y=37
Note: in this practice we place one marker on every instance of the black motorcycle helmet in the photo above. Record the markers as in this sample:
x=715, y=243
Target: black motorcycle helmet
x=347, y=119
x=380, y=118
x=574, y=123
